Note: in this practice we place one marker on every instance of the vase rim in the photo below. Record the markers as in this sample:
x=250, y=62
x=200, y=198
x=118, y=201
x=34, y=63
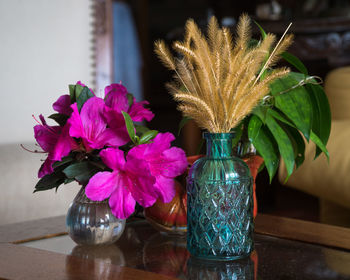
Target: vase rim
x=220, y=135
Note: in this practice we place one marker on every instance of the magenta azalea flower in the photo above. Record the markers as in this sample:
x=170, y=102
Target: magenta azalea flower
x=129, y=181
x=117, y=101
x=90, y=125
x=54, y=140
x=164, y=162
x=62, y=105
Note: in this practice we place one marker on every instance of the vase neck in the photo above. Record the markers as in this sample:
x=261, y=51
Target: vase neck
x=219, y=145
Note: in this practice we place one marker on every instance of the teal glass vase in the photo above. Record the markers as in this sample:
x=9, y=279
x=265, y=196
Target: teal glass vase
x=220, y=203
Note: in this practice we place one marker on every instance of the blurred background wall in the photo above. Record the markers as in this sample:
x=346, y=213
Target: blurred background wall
x=45, y=45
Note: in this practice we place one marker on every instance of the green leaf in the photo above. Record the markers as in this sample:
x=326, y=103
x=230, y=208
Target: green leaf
x=76, y=169
x=279, y=116
x=238, y=130
x=293, y=102
x=319, y=144
x=72, y=93
x=50, y=181
x=293, y=60
x=82, y=171
x=300, y=145
x=263, y=141
x=285, y=145
x=254, y=127
x=83, y=96
x=294, y=135
x=141, y=129
x=59, y=118
x=261, y=112
x=262, y=31
x=182, y=123
x=77, y=91
x=130, y=127
x=321, y=124
x=147, y=136
x=68, y=180
x=130, y=99
x=64, y=161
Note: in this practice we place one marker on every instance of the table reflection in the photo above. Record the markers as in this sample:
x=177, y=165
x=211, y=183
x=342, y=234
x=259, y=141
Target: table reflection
x=239, y=269
x=144, y=248
x=159, y=253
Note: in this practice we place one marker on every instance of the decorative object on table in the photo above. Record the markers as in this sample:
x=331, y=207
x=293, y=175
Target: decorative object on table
x=92, y=222
x=233, y=92
x=172, y=217
x=118, y=163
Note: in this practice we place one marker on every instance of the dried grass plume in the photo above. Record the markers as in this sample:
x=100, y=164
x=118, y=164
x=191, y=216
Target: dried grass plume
x=219, y=81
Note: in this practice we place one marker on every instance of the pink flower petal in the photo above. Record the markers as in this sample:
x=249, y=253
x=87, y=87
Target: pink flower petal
x=165, y=188
x=101, y=185
x=140, y=182
x=116, y=97
x=121, y=202
x=92, y=118
x=46, y=168
x=62, y=105
x=113, y=158
x=114, y=137
x=46, y=135
x=174, y=162
x=138, y=113
x=91, y=125
x=76, y=126
x=64, y=144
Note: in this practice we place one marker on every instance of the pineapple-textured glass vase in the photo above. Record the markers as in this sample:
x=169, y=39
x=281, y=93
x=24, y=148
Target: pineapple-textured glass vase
x=220, y=203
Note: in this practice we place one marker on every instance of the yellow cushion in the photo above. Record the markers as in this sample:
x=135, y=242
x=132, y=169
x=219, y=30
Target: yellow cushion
x=317, y=177
x=337, y=87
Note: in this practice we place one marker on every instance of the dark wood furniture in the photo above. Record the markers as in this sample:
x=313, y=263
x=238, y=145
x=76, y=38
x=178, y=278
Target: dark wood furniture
x=285, y=249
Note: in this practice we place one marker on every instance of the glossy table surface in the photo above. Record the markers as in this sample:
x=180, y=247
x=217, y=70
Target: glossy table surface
x=144, y=253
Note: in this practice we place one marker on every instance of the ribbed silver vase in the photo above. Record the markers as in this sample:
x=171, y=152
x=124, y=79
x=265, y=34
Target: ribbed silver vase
x=92, y=222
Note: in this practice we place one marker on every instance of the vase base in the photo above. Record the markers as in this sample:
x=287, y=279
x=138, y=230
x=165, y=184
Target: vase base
x=221, y=258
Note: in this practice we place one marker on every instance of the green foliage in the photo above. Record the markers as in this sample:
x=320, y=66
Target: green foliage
x=130, y=99
x=79, y=94
x=84, y=95
x=50, y=181
x=293, y=60
x=297, y=105
x=81, y=171
x=148, y=136
x=130, y=128
x=262, y=31
x=59, y=118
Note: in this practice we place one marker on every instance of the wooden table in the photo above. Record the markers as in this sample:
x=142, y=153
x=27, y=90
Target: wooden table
x=285, y=249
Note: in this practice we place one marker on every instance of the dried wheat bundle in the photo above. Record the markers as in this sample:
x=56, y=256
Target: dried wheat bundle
x=217, y=81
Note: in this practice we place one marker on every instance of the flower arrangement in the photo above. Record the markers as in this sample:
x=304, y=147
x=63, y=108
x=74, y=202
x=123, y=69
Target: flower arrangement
x=227, y=85
x=98, y=144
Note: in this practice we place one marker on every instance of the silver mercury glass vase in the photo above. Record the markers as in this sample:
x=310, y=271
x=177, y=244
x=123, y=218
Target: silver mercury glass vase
x=92, y=222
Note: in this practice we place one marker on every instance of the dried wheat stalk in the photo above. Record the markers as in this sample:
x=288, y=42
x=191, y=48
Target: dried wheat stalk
x=217, y=81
